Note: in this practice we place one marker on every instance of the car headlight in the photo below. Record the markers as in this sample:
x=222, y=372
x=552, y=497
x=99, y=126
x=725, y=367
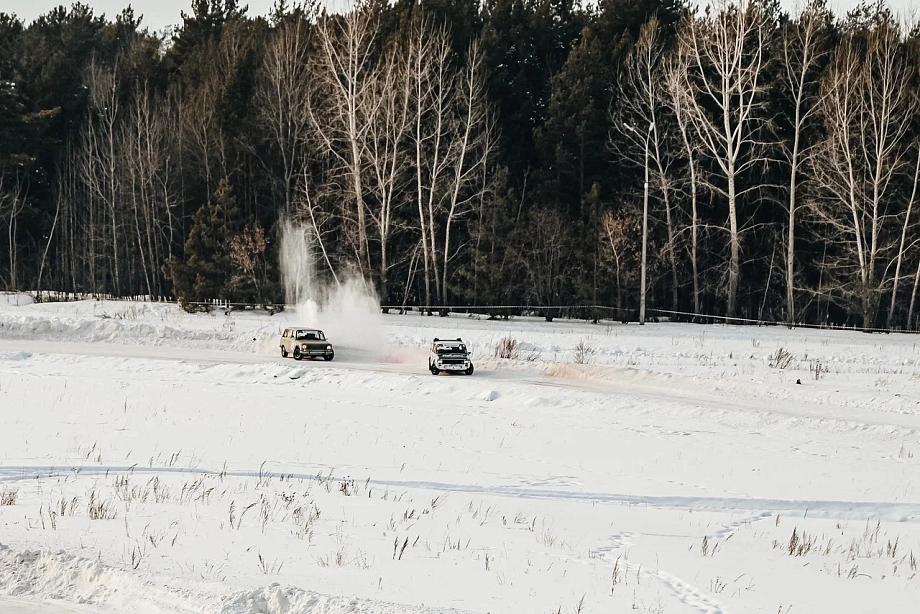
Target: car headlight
x=328, y=347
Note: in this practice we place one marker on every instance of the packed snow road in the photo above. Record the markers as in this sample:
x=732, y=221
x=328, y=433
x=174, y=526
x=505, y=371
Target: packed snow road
x=585, y=381
x=184, y=467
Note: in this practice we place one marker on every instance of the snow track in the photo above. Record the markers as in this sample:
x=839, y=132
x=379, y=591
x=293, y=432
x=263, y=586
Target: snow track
x=587, y=380
x=850, y=510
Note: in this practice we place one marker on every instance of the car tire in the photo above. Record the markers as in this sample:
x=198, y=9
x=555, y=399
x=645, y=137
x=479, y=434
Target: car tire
x=284, y=352
x=329, y=357
x=469, y=371
x=433, y=369
x=297, y=354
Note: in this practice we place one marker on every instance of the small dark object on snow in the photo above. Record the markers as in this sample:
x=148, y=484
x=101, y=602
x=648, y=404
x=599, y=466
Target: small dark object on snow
x=799, y=382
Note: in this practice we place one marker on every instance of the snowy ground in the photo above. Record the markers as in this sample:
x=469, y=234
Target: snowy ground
x=156, y=462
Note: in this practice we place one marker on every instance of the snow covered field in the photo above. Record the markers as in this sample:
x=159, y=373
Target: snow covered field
x=157, y=462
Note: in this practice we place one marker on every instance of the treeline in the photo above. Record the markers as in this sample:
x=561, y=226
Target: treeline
x=468, y=153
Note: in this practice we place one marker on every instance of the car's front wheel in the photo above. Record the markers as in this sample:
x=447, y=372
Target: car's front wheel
x=284, y=352
x=434, y=370
x=297, y=354
x=328, y=357
x=469, y=370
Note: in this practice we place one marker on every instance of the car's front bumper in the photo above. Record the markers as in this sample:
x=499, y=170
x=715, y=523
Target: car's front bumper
x=316, y=352
x=453, y=366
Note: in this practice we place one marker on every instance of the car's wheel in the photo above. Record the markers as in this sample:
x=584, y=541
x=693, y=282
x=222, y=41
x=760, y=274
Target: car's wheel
x=433, y=369
x=469, y=371
x=328, y=357
x=297, y=354
x=284, y=352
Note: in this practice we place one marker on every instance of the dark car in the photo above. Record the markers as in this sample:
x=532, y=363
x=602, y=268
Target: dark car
x=450, y=356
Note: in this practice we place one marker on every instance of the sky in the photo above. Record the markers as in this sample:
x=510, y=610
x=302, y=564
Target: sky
x=159, y=14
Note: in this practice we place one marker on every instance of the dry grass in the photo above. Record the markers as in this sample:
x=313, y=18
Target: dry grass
x=8, y=497
x=99, y=509
x=584, y=353
x=781, y=359
x=506, y=348
x=817, y=369
x=869, y=545
x=509, y=348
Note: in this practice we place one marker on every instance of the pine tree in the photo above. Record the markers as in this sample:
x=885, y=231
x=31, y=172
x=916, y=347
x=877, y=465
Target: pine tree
x=206, y=273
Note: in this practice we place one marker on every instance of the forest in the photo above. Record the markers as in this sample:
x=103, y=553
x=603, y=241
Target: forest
x=473, y=153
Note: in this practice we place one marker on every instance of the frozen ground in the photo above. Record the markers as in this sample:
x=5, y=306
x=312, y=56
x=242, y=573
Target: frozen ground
x=168, y=463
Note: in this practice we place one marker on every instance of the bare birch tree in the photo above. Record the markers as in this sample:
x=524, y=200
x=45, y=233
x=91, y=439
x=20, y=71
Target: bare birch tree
x=387, y=110
x=432, y=80
x=619, y=252
x=474, y=142
x=727, y=53
x=144, y=153
x=345, y=68
x=641, y=116
x=677, y=84
x=867, y=108
x=803, y=48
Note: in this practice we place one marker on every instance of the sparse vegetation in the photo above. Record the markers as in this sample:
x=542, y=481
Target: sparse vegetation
x=100, y=509
x=507, y=348
x=780, y=359
x=584, y=353
x=8, y=496
x=868, y=545
x=817, y=369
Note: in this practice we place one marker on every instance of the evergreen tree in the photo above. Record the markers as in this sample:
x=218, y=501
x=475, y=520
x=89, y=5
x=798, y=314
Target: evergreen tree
x=526, y=43
x=207, y=269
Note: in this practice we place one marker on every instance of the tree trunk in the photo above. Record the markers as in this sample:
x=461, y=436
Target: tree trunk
x=790, y=237
x=734, y=272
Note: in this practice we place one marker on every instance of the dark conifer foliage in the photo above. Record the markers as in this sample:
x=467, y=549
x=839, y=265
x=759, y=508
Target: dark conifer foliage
x=472, y=153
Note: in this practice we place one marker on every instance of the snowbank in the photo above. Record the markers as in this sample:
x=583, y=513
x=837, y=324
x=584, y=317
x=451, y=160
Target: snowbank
x=8, y=299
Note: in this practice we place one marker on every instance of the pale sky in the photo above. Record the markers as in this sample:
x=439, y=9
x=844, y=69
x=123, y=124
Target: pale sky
x=159, y=14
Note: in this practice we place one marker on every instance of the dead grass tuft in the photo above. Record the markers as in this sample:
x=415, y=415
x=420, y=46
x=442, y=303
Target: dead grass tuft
x=781, y=359
x=8, y=497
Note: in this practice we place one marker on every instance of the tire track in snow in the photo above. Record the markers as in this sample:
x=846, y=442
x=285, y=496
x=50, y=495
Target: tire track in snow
x=849, y=510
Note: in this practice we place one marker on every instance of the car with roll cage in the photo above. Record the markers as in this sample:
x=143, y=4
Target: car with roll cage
x=449, y=356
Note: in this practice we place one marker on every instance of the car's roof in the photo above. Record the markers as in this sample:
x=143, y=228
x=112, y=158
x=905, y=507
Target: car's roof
x=305, y=330
x=448, y=341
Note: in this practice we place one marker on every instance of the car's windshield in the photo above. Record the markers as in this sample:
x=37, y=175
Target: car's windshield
x=310, y=335
x=451, y=349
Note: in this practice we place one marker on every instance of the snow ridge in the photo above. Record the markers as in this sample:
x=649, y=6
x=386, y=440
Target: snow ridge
x=46, y=575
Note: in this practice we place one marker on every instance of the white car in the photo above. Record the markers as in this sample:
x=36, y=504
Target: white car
x=305, y=343
x=449, y=356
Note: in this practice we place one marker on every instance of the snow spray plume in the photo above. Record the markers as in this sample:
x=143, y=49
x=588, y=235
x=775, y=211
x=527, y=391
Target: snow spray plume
x=347, y=311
